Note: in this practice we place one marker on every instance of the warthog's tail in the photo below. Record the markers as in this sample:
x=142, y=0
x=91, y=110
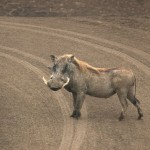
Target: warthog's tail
x=135, y=92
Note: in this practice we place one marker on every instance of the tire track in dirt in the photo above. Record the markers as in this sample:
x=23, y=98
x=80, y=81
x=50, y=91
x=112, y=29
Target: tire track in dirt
x=126, y=57
x=43, y=107
x=13, y=87
x=41, y=60
x=68, y=123
x=33, y=122
x=80, y=130
x=88, y=37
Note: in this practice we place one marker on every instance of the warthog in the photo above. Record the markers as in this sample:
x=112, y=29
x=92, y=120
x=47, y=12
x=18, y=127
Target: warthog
x=80, y=78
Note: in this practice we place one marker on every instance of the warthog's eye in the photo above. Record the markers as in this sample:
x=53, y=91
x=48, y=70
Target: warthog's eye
x=65, y=69
x=51, y=77
x=62, y=79
x=54, y=68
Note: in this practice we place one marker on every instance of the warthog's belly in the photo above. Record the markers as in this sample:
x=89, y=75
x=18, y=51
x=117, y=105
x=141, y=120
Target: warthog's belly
x=101, y=94
x=100, y=86
x=101, y=91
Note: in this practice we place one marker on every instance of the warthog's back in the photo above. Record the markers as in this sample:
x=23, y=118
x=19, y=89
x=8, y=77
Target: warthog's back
x=123, y=78
x=106, y=82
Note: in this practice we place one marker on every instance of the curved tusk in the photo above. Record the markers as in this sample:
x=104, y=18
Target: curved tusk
x=45, y=81
x=66, y=82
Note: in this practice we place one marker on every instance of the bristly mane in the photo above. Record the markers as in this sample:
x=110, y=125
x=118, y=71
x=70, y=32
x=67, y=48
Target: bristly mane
x=84, y=66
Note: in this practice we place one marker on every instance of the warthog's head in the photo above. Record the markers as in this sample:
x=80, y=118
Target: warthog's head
x=60, y=72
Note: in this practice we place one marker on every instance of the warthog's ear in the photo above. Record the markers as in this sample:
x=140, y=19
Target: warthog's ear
x=53, y=58
x=71, y=59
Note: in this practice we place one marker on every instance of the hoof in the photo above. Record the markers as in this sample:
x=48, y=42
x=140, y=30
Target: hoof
x=76, y=117
x=121, y=117
x=73, y=114
x=140, y=116
x=76, y=114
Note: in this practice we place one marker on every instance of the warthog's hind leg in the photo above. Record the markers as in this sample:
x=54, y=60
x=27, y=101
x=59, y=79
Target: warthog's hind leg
x=139, y=112
x=135, y=102
x=122, y=94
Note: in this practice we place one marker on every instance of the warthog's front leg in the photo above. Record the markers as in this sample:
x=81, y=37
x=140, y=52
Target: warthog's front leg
x=78, y=99
x=74, y=104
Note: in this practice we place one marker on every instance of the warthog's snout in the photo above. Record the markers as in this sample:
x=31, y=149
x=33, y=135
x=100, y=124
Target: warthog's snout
x=55, y=89
x=55, y=85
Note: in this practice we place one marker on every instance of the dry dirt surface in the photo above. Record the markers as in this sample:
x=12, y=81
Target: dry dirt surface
x=32, y=117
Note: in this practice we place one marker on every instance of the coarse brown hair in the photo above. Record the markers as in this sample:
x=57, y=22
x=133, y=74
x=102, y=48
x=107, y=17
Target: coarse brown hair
x=84, y=66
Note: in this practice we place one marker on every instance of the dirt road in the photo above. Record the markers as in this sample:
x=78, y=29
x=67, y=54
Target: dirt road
x=32, y=117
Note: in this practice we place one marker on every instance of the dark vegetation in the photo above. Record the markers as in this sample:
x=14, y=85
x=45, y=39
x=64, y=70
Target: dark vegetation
x=74, y=7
